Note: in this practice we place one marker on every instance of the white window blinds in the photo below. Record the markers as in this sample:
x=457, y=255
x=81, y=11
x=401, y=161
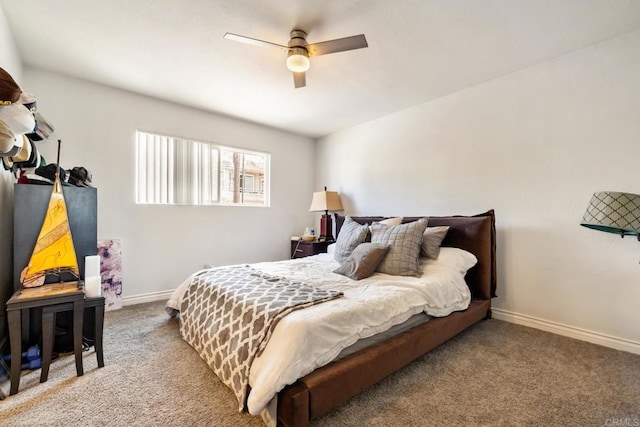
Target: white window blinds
x=179, y=171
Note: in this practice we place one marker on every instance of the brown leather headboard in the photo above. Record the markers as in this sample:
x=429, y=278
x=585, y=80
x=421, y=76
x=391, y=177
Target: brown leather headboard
x=476, y=234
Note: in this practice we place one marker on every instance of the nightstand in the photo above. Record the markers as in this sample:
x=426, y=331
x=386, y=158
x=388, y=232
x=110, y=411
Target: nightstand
x=301, y=249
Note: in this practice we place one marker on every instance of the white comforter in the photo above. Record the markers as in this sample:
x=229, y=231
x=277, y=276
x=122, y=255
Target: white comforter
x=312, y=337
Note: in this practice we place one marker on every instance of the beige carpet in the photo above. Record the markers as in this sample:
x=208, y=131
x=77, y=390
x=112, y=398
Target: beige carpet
x=494, y=374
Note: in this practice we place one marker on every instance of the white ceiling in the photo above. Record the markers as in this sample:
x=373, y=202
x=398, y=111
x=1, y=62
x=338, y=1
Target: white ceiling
x=418, y=50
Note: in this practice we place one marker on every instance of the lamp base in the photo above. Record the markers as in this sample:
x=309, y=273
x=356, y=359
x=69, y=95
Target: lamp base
x=326, y=228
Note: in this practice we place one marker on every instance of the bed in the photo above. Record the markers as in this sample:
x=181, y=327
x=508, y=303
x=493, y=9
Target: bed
x=302, y=397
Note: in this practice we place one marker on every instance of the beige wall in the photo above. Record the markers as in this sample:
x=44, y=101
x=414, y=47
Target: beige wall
x=534, y=145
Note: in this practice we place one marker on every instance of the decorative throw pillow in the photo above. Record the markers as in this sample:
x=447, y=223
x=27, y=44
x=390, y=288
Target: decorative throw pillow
x=351, y=235
x=405, y=241
x=389, y=221
x=432, y=239
x=363, y=261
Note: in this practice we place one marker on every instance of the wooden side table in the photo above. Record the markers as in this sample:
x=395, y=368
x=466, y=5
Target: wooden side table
x=300, y=248
x=64, y=298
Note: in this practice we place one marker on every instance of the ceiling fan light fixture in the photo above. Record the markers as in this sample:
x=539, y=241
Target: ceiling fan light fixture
x=298, y=50
x=298, y=60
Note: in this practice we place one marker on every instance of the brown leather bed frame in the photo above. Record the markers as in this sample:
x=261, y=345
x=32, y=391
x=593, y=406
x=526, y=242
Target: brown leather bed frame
x=331, y=385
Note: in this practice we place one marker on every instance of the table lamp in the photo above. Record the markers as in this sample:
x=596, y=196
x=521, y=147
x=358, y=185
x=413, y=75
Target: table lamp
x=325, y=201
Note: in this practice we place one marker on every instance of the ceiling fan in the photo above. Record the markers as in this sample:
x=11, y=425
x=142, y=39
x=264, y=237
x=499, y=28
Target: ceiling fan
x=298, y=51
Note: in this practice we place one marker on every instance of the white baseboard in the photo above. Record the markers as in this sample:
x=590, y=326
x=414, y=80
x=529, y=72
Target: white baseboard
x=150, y=297
x=566, y=330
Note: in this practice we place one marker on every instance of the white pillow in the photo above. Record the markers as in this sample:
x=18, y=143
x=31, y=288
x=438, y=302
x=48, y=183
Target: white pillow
x=456, y=258
x=331, y=248
x=392, y=221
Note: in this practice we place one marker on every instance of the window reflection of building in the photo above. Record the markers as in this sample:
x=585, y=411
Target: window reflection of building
x=251, y=185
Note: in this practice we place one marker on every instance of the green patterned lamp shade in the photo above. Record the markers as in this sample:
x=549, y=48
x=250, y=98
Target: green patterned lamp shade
x=614, y=212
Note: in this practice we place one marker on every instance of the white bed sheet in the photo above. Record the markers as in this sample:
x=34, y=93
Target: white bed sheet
x=312, y=337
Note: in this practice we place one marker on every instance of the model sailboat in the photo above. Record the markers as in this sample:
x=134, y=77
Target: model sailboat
x=53, y=253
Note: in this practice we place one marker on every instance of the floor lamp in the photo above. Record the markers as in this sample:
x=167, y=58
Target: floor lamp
x=614, y=212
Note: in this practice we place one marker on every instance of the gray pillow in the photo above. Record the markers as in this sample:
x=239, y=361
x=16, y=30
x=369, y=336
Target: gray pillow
x=432, y=239
x=363, y=261
x=389, y=221
x=405, y=242
x=351, y=235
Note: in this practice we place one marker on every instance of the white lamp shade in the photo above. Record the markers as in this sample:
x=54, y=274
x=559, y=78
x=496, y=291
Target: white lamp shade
x=325, y=201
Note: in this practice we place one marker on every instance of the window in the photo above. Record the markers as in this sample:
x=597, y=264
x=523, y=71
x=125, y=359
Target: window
x=174, y=171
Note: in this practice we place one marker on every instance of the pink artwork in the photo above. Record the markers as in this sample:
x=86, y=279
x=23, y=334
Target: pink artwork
x=110, y=252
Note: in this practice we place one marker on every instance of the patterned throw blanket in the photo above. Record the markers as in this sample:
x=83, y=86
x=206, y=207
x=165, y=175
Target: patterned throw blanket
x=240, y=307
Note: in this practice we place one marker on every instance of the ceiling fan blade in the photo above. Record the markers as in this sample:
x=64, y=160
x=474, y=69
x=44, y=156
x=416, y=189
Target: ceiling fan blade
x=299, y=79
x=249, y=40
x=337, y=45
